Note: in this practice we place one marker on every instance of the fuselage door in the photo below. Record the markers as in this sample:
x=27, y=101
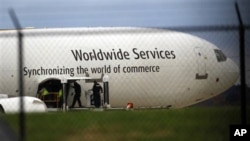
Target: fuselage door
x=201, y=60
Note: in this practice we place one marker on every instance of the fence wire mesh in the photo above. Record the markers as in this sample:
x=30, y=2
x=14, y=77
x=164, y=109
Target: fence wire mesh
x=50, y=56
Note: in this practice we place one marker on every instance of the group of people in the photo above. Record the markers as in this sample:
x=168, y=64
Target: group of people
x=97, y=90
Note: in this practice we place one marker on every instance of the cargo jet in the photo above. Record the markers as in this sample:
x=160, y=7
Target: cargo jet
x=148, y=67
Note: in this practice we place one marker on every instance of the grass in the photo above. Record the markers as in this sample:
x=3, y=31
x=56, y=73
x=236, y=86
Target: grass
x=196, y=124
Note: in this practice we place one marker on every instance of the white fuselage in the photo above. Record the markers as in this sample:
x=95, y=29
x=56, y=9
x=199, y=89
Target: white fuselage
x=148, y=67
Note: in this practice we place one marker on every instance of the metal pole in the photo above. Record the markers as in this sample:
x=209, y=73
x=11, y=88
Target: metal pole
x=106, y=90
x=242, y=66
x=65, y=100
x=20, y=78
x=65, y=103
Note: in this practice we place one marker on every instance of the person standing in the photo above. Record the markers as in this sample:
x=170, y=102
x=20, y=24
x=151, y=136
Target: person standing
x=97, y=89
x=77, y=95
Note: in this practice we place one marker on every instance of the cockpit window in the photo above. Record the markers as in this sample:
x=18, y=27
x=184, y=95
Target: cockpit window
x=220, y=55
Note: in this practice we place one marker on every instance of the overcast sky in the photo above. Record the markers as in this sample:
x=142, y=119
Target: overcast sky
x=137, y=13
x=149, y=13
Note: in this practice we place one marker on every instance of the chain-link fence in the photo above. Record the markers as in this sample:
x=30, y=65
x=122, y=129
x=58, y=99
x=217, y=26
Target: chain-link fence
x=159, y=83
x=149, y=68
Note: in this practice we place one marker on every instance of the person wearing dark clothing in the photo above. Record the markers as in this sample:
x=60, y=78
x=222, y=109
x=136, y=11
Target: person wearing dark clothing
x=96, y=92
x=77, y=95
